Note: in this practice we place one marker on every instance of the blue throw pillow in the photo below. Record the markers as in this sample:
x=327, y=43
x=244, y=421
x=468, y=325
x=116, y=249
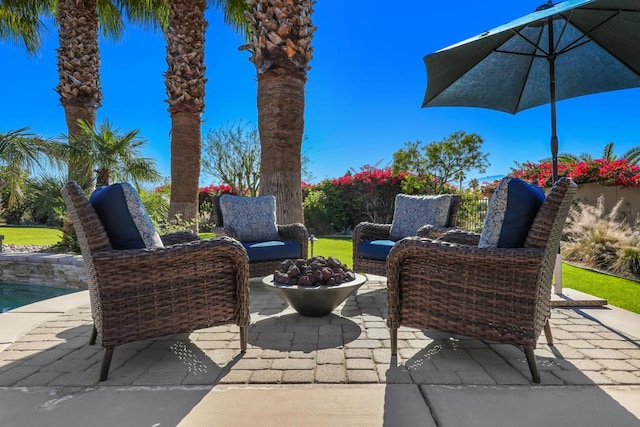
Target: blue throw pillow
x=512, y=209
x=124, y=217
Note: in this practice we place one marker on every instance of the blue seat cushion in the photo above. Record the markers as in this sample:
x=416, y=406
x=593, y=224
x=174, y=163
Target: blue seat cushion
x=512, y=209
x=375, y=249
x=273, y=249
x=124, y=217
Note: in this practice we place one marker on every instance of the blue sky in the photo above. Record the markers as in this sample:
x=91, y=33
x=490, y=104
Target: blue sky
x=363, y=93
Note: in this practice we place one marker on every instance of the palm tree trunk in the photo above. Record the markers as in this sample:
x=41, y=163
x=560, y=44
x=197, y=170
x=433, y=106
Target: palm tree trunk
x=185, y=84
x=79, y=73
x=281, y=49
x=281, y=125
x=80, y=171
x=186, y=150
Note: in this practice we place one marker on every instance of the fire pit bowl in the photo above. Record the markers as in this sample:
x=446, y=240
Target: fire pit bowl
x=314, y=301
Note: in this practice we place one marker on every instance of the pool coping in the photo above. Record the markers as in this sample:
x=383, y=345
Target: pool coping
x=17, y=322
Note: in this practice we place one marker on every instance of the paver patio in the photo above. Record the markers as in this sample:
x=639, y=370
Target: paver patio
x=350, y=346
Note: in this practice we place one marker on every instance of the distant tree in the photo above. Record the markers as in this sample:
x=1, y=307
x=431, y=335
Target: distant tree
x=44, y=204
x=21, y=152
x=410, y=159
x=113, y=154
x=448, y=160
x=231, y=155
x=632, y=156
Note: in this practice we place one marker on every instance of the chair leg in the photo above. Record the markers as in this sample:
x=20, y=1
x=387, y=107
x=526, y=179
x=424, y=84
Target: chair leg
x=94, y=335
x=106, y=362
x=394, y=341
x=243, y=339
x=547, y=332
x=533, y=366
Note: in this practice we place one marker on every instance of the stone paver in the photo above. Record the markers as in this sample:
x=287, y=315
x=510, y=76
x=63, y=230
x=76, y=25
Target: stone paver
x=350, y=346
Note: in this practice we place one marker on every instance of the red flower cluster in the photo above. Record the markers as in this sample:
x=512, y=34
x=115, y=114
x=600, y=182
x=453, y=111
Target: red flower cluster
x=217, y=189
x=370, y=177
x=602, y=171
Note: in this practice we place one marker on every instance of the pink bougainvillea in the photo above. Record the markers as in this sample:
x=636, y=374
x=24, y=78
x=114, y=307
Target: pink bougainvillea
x=601, y=171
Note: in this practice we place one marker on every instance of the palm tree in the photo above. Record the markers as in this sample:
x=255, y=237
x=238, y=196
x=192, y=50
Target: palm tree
x=632, y=155
x=20, y=22
x=185, y=83
x=79, y=59
x=113, y=154
x=21, y=152
x=281, y=49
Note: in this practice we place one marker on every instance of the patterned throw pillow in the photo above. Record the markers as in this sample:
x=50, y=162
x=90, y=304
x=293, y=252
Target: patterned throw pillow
x=512, y=210
x=124, y=217
x=253, y=219
x=412, y=212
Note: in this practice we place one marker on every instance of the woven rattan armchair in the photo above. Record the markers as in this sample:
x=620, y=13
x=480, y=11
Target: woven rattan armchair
x=296, y=233
x=497, y=294
x=372, y=231
x=138, y=294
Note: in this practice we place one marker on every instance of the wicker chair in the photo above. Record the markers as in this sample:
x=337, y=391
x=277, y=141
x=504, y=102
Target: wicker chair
x=138, y=294
x=295, y=232
x=497, y=294
x=372, y=231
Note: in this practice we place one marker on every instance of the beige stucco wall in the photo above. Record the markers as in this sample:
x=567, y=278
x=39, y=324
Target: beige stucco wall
x=589, y=193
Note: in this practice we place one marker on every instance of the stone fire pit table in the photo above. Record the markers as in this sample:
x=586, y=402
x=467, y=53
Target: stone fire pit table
x=317, y=300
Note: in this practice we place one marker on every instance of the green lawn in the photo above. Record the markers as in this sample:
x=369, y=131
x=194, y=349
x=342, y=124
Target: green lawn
x=30, y=235
x=339, y=247
x=622, y=293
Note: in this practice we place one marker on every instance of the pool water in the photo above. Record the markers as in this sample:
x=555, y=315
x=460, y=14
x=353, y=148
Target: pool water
x=16, y=295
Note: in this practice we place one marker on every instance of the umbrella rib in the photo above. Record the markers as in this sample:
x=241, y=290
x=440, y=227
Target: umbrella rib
x=585, y=33
x=531, y=55
x=536, y=45
x=533, y=44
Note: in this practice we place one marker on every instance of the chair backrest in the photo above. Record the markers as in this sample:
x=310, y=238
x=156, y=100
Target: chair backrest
x=90, y=232
x=546, y=230
x=456, y=200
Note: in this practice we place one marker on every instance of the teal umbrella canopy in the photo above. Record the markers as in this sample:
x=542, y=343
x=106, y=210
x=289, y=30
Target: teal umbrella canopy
x=560, y=51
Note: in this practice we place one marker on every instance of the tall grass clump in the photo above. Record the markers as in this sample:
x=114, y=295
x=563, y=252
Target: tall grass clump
x=601, y=240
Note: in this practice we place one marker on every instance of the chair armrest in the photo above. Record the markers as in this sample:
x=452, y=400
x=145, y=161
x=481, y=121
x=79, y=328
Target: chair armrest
x=184, y=255
x=177, y=238
x=452, y=274
x=461, y=237
x=125, y=280
x=219, y=231
x=296, y=232
x=370, y=231
x=423, y=251
x=432, y=231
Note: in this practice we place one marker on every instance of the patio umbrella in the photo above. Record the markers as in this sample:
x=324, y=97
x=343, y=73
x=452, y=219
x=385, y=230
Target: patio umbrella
x=560, y=51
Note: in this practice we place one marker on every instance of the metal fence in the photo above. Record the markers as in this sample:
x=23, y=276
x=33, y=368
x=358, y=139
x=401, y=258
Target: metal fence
x=472, y=213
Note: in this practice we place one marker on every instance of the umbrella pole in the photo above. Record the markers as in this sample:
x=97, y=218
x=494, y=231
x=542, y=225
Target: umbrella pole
x=557, y=272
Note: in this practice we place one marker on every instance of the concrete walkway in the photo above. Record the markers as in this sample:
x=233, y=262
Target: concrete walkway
x=332, y=370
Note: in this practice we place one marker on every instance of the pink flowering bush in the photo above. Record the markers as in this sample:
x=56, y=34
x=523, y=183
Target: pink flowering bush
x=338, y=205
x=601, y=171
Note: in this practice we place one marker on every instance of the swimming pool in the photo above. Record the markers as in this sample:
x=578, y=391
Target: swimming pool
x=16, y=295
